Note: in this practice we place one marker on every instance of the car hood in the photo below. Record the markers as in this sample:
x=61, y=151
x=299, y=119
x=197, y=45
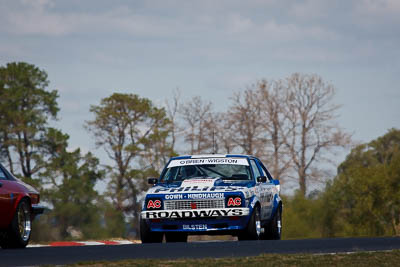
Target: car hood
x=196, y=185
x=30, y=189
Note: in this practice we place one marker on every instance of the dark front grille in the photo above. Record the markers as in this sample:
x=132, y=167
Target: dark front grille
x=199, y=204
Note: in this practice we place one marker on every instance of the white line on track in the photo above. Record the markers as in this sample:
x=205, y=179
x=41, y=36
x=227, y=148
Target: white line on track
x=84, y=243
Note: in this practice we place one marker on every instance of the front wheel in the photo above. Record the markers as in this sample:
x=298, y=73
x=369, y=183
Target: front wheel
x=147, y=236
x=273, y=230
x=19, y=233
x=253, y=229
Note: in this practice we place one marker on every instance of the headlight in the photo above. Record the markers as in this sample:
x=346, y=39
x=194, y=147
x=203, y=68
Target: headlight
x=35, y=198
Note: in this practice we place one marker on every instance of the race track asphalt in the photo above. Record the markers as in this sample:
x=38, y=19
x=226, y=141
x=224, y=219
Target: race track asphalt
x=67, y=255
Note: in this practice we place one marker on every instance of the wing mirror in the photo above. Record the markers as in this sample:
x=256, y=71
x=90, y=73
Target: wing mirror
x=152, y=181
x=261, y=179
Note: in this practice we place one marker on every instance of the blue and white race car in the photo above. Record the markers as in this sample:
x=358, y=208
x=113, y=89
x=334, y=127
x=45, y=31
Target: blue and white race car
x=212, y=194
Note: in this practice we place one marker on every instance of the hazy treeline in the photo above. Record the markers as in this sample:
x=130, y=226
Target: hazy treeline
x=289, y=124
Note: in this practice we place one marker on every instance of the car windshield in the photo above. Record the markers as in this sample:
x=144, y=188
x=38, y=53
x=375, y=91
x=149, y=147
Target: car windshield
x=178, y=173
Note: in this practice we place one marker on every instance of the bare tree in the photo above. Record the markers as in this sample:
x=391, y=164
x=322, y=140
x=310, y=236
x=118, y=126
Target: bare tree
x=290, y=124
x=257, y=123
x=244, y=118
x=274, y=124
x=223, y=135
x=172, y=110
x=198, y=126
x=310, y=112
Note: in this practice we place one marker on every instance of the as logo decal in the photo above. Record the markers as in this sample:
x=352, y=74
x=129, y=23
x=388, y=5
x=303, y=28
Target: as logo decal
x=234, y=202
x=154, y=204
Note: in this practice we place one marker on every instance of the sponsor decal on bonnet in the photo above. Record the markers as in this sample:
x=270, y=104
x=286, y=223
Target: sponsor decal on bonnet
x=194, y=182
x=186, y=162
x=205, y=195
x=165, y=190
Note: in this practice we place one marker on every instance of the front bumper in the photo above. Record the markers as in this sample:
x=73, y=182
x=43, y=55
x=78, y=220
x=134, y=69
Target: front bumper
x=197, y=221
x=194, y=213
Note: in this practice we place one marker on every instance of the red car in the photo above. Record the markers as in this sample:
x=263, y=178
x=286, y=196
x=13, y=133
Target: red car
x=18, y=207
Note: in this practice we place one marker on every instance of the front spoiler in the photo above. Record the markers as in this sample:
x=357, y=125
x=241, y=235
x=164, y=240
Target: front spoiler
x=194, y=213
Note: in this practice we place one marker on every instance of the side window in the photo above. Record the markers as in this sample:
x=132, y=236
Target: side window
x=255, y=169
x=265, y=171
x=2, y=175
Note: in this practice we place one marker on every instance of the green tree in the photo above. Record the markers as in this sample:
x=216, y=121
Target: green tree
x=25, y=107
x=39, y=155
x=364, y=198
x=133, y=132
x=114, y=221
x=71, y=178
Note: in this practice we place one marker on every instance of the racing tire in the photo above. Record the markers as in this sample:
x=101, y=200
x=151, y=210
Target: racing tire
x=19, y=232
x=253, y=228
x=176, y=237
x=147, y=236
x=273, y=230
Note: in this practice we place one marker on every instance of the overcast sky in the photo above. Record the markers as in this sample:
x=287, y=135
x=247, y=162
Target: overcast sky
x=211, y=48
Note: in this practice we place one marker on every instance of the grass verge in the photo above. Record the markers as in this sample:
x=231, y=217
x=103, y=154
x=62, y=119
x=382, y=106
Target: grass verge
x=387, y=258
